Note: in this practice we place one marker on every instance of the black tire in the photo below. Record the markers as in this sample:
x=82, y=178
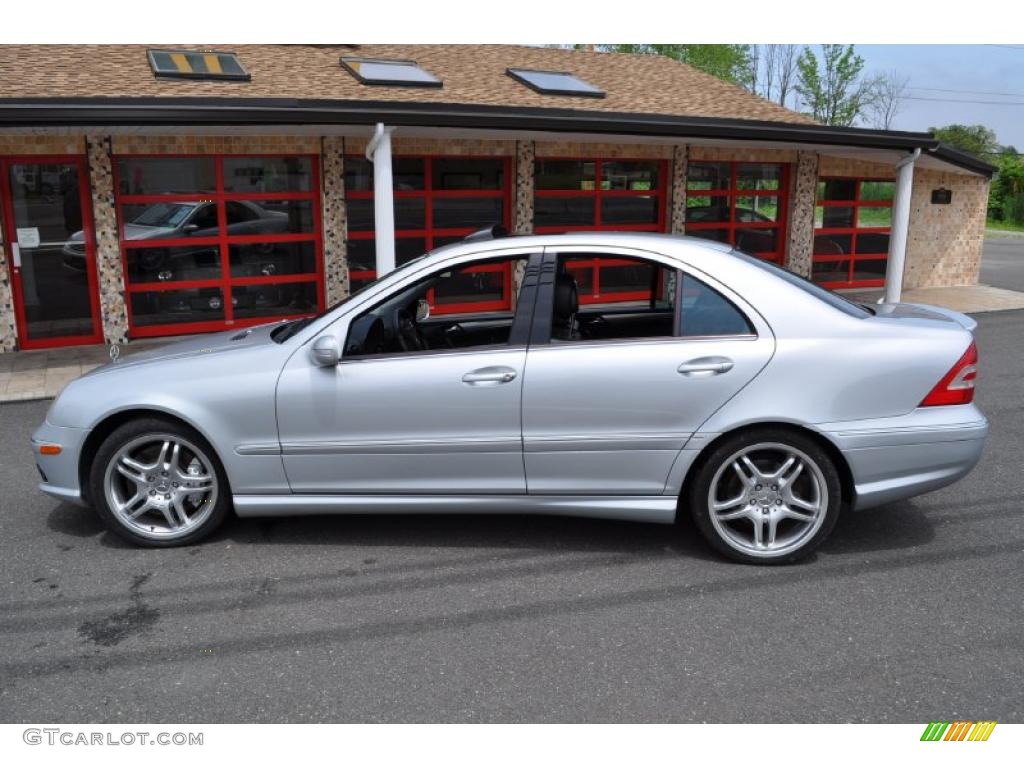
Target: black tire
x=764, y=443
x=210, y=511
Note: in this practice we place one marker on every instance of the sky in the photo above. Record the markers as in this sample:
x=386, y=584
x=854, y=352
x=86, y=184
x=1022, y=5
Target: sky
x=943, y=78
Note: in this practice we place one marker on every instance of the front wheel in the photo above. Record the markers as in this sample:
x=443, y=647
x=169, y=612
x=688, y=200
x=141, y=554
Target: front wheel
x=158, y=483
x=766, y=496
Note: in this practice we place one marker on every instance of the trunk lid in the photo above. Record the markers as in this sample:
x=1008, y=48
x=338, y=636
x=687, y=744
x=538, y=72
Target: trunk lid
x=925, y=312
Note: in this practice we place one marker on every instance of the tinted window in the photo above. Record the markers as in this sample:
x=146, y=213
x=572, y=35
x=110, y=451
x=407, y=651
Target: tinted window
x=706, y=312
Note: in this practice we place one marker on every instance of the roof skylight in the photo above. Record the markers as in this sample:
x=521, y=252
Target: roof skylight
x=389, y=72
x=555, y=83
x=197, y=65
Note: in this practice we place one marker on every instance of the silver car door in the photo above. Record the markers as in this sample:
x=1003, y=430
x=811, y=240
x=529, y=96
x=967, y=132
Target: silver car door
x=610, y=416
x=439, y=421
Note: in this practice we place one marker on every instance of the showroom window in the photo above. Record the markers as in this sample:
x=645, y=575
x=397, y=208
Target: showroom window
x=743, y=204
x=438, y=200
x=218, y=241
x=572, y=195
x=852, y=221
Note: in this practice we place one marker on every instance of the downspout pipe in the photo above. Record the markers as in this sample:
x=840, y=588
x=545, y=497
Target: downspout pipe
x=900, y=228
x=378, y=152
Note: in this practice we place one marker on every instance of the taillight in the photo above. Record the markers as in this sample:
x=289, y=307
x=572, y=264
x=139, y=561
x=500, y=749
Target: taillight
x=957, y=386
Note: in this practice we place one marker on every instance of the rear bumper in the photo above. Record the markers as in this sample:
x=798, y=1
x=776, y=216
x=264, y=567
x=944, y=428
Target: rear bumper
x=60, y=472
x=896, y=458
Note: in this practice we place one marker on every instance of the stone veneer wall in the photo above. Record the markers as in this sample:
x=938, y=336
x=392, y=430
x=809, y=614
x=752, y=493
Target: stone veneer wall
x=334, y=219
x=677, y=190
x=613, y=151
x=522, y=217
x=803, y=188
x=109, y=270
x=742, y=155
x=945, y=241
x=187, y=145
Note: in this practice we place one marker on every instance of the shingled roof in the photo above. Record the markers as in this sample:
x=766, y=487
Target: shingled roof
x=472, y=74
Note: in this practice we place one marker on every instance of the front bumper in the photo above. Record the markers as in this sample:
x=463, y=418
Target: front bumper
x=900, y=457
x=60, y=472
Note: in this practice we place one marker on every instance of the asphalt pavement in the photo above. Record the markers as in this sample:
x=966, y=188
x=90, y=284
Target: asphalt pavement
x=1002, y=263
x=909, y=613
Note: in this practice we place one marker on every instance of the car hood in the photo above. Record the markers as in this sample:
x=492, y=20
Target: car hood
x=207, y=344
x=923, y=312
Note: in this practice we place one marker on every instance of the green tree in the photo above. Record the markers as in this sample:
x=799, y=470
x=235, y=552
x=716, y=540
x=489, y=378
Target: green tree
x=973, y=139
x=727, y=62
x=833, y=90
x=1006, y=201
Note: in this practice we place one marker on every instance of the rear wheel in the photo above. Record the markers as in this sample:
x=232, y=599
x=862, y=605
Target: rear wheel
x=766, y=496
x=158, y=483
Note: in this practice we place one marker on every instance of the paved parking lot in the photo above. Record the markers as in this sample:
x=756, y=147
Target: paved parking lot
x=910, y=613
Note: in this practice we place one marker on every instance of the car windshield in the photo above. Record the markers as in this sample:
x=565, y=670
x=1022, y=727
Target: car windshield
x=823, y=294
x=164, y=215
x=290, y=328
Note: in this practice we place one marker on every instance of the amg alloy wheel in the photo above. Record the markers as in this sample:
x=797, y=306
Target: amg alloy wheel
x=766, y=498
x=158, y=483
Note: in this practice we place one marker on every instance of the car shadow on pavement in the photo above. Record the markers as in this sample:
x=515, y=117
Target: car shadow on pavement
x=895, y=526
x=901, y=525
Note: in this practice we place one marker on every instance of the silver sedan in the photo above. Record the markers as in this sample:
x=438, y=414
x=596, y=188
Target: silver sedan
x=631, y=376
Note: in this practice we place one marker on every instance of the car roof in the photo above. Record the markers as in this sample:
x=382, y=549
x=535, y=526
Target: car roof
x=681, y=246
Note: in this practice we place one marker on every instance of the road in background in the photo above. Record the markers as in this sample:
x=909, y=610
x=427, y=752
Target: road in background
x=1002, y=263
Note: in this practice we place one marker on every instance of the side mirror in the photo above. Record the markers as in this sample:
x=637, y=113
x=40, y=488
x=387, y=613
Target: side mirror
x=325, y=351
x=188, y=229
x=422, y=310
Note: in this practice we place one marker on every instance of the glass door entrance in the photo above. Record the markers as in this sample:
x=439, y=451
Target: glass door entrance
x=49, y=243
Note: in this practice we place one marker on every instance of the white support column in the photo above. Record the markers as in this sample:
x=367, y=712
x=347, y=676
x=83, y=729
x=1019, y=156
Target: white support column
x=900, y=228
x=378, y=152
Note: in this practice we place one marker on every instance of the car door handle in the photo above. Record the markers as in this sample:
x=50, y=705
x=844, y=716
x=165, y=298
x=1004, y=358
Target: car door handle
x=705, y=366
x=495, y=374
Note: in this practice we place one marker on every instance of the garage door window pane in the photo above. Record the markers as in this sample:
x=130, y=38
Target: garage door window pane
x=701, y=176
x=468, y=173
x=705, y=210
x=270, y=259
x=874, y=216
x=195, y=305
x=251, y=301
x=831, y=271
x=173, y=264
x=757, y=241
x=763, y=209
x=564, y=174
x=629, y=175
x=563, y=211
x=268, y=174
x=833, y=245
x=758, y=176
x=166, y=175
x=837, y=189
x=462, y=212
x=869, y=242
x=630, y=210
x=833, y=216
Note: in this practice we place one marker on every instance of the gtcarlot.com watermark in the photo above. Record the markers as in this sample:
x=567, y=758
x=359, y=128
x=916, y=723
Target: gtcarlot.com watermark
x=59, y=736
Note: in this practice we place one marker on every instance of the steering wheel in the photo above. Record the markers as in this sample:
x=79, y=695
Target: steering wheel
x=409, y=336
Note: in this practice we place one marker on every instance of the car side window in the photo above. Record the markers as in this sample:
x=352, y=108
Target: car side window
x=605, y=297
x=472, y=305
x=206, y=217
x=706, y=312
x=237, y=212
